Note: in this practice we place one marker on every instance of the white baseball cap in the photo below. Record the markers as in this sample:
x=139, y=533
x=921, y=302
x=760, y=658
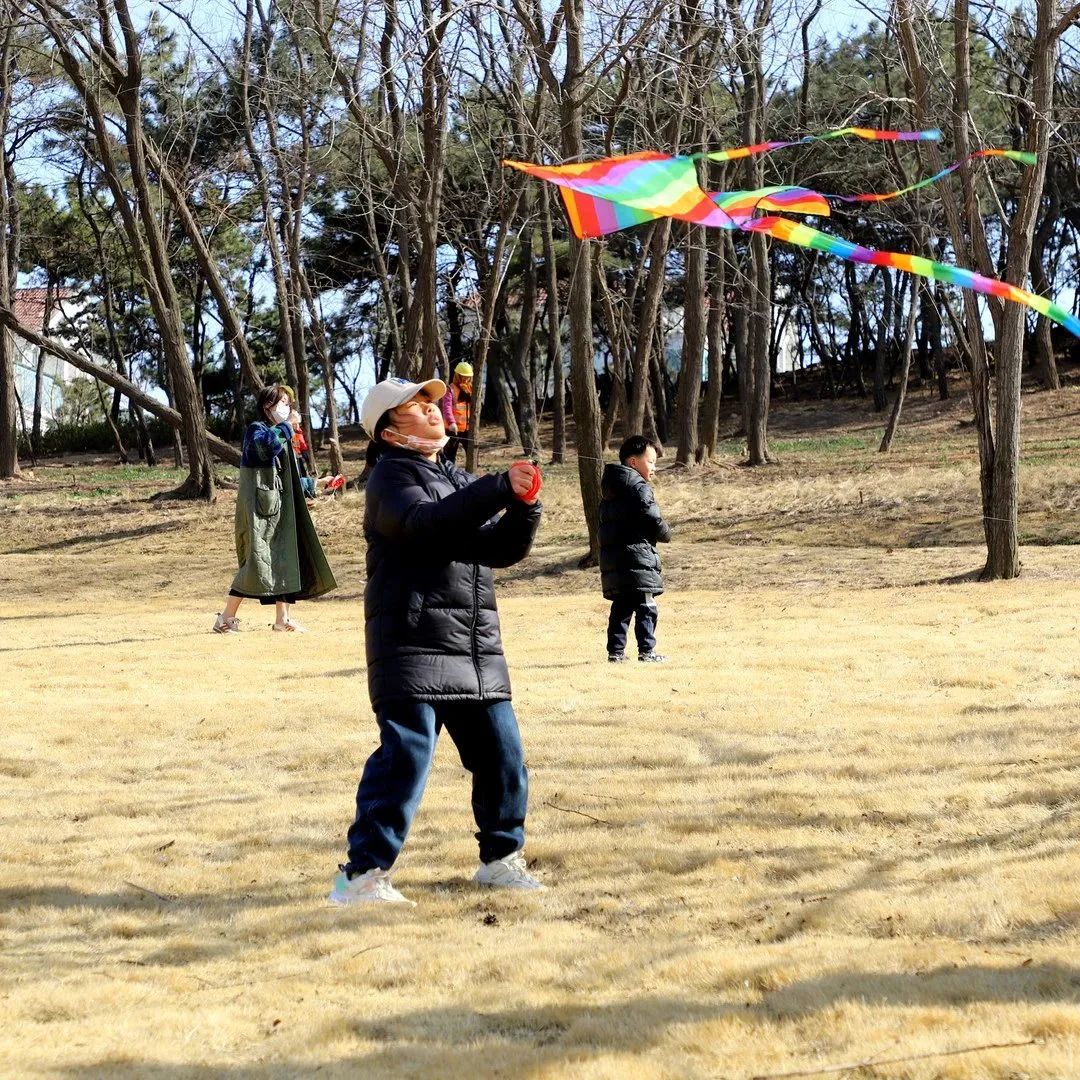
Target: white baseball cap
x=394, y=392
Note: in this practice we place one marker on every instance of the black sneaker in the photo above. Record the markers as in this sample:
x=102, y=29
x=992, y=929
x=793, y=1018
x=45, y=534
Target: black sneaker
x=651, y=658
x=616, y=658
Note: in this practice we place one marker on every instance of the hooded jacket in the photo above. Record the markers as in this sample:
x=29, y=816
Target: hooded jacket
x=433, y=535
x=277, y=547
x=630, y=528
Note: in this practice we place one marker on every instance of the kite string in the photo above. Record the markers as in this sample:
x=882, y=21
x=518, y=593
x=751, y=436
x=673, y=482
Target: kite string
x=535, y=451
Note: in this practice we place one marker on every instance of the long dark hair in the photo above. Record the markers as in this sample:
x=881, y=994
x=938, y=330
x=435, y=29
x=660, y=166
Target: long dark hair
x=268, y=397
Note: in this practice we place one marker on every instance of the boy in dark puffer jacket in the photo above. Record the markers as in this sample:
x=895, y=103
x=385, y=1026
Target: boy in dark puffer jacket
x=630, y=528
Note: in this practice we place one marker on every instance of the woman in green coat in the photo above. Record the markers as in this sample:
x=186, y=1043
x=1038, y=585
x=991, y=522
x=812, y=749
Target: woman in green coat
x=281, y=559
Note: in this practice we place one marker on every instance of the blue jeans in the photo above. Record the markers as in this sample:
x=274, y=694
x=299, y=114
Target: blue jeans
x=487, y=740
x=639, y=606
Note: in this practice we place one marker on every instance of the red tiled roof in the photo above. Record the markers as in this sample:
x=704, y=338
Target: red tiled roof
x=29, y=306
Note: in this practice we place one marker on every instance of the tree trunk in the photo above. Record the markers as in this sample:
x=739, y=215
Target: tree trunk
x=689, y=395
x=554, y=335
x=749, y=51
x=757, y=435
x=905, y=371
x=1003, y=555
x=932, y=318
x=492, y=282
x=9, y=256
x=39, y=370
x=519, y=359
x=647, y=322
x=496, y=375
x=882, y=342
x=582, y=375
x=714, y=331
x=1045, y=361
x=614, y=325
x=118, y=439
x=326, y=362
x=744, y=370
x=434, y=106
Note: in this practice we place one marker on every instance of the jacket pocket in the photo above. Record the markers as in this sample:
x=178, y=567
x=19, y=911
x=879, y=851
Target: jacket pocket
x=267, y=502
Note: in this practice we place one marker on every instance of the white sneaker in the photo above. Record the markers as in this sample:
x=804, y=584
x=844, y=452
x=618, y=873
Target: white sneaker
x=508, y=873
x=223, y=625
x=371, y=887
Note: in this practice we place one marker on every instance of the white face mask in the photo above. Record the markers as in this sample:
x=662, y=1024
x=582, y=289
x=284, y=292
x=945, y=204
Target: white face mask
x=425, y=446
x=281, y=412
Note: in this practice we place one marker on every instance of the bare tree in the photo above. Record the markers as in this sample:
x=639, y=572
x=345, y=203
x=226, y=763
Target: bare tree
x=580, y=79
x=749, y=43
x=9, y=240
x=102, y=58
x=997, y=425
x=9, y=321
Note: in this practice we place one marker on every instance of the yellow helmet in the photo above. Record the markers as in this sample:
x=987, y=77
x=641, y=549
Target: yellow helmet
x=464, y=370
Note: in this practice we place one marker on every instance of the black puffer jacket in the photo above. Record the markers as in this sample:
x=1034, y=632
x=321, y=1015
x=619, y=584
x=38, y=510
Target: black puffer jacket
x=431, y=626
x=630, y=527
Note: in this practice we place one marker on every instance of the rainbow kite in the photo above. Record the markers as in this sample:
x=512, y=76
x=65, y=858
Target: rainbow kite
x=617, y=193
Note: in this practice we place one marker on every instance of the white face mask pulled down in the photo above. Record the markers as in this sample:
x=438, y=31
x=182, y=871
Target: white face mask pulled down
x=281, y=412
x=424, y=446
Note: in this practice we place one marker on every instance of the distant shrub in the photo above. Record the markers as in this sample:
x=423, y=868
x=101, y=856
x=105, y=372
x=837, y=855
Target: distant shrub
x=96, y=437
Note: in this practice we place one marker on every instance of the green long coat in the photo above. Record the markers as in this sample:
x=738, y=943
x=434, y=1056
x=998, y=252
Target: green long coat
x=276, y=544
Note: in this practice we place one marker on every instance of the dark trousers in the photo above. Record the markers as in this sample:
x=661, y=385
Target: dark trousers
x=487, y=740
x=639, y=606
x=285, y=598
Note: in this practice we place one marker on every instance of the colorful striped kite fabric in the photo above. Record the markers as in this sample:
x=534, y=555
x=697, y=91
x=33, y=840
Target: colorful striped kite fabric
x=606, y=196
x=616, y=193
x=611, y=194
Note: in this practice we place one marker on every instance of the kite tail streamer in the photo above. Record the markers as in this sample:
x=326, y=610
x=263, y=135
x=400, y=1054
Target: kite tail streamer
x=1022, y=156
x=873, y=134
x=611, y=194
x=794, y=232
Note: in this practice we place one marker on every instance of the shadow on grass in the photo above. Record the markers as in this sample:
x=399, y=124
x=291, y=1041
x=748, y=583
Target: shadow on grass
x=133, y=897
x=456, y=1041
x=114, y=641
x=104, y=539
x=34, y=616
x=345, y=673
x=461, y=1041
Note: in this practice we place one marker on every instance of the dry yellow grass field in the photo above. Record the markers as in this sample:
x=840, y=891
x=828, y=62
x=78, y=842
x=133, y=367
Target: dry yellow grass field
x=839, y=827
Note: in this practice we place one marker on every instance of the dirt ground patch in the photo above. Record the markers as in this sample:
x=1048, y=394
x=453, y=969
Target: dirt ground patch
x=840, y=826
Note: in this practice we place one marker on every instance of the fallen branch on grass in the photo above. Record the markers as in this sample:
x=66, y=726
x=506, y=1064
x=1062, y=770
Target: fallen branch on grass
x=580, y=813
x=150, y=892
x=219, y=447
x=852, y=1066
